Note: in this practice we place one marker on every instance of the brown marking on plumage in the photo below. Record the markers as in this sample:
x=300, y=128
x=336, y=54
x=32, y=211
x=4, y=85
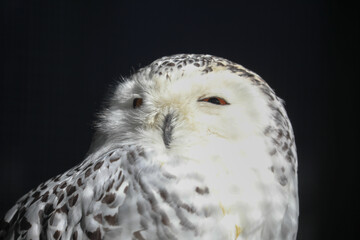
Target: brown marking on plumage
x=140, y=208
x=114, y=159
x=74, y=236
x=57, y=178
x=109, y=198
x=164, y=194
x=79, y=182
x=72, y=200
x=267, y=130
x=64, y=209
x=100, y=197
x=110, y=186
x=55, y=189
x=202, y=191
x=61, y=198
x=41, y=216
x=131, y=157
x=98, y=218
x=121, y=182
x=96, y=235
x=112, y=220
x=24, y=224
x=165, y=219
x=56, y=234
x=63, y=185
x=70, y=190
x=36, y=194
x=188, y=208
x=25, y=200
x=45, y=196
x=35, y=199
x=21, y=212
x=126, y=189
x=98, y=165
x=48, y=209
x=137, y=235
x=51, y=219
x=88, y=172
x=273, y=152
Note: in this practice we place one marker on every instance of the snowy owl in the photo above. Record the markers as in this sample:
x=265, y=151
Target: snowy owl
x=190, y=147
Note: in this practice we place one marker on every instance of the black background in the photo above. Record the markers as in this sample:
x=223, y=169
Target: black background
x=59, y=59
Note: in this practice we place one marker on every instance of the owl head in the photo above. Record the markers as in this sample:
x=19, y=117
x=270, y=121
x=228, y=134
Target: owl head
x=189, y=104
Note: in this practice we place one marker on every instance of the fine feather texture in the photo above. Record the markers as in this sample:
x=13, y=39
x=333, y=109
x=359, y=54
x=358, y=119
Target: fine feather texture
x=169, y=166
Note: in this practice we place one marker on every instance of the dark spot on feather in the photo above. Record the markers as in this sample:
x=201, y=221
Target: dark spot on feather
x=96, y=235
x=110, y=186
x=35, y=199
x=88, y=172
x=140, y=208
x=273, y=152
x=45, y=197
x=79, y=182
x=98, y=165
x=131, y=157
x=48, y=209
x=164, y=194
x=121, y=182
x=202, y=191
x=267, y=130
x=60, y=198
x=137, y=235
x=188, y=208
x=56, y=234
x=64, y=209
x=114, y=160
x=100, y=197
x=283, y=180
x=57, y=178
x=36, y=194
x=22, y=212
x=55, y=189
x=109, y=198
x=126, y=189
x=70, y=190
x=63, y=185
x=112, y=220
x=98, y=218
x=24, y=224
x=165, y=219
x=73, y=199
x=41, y=216
x=74, y=235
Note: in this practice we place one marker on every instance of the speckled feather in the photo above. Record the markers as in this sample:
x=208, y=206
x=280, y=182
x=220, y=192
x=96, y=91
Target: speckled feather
x=151, y=177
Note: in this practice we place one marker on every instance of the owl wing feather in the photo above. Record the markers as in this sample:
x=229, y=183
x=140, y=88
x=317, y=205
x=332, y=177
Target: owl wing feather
x=83, y=201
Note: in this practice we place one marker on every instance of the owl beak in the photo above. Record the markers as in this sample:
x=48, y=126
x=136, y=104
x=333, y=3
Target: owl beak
x=167, y=129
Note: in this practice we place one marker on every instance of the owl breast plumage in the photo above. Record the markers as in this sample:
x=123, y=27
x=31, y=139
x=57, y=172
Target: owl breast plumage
x=189, y=147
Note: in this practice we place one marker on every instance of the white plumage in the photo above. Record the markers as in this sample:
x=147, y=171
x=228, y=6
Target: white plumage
x=189, y=147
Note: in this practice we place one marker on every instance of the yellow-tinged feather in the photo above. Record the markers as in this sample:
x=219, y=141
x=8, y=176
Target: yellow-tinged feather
x=238, y=230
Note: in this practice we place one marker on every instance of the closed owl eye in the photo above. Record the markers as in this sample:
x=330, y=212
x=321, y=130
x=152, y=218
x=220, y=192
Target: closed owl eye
x=137, y=102
x=214, y=100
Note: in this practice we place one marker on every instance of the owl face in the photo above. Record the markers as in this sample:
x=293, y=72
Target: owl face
x=187, y=110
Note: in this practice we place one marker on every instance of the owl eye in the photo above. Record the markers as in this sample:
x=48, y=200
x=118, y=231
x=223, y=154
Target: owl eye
x=214, y=100
x=137, y=102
